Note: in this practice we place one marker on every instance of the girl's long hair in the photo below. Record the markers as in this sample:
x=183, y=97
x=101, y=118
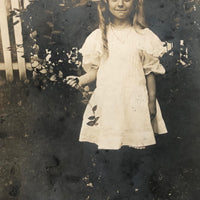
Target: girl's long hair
x=137, y=18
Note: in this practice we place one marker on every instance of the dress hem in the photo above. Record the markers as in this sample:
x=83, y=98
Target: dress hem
x=117, y=148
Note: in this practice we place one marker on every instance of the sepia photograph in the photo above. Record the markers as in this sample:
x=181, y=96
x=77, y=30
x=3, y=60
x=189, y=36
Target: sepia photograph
x=99, y=99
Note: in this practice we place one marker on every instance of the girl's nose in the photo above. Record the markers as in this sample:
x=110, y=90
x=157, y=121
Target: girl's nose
x=120, y=3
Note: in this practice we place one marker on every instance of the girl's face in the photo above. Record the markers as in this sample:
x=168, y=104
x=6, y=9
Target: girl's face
x=120, y=9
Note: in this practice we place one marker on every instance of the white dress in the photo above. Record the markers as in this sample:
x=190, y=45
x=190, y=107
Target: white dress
x=117, y=113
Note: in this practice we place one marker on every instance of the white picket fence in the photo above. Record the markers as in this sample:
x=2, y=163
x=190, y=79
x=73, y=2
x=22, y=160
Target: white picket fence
x=8, y=65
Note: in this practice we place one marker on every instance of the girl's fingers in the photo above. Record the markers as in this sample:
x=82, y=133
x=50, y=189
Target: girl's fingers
x=75, y=78
x=70, y=77
x=70, y=81
x=74, y=84
x=77, y=86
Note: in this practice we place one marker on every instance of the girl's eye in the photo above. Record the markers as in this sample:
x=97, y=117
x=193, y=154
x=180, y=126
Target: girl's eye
x=127, y=0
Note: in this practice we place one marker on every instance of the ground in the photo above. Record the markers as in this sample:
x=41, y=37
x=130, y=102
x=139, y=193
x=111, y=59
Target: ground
x=41, y=158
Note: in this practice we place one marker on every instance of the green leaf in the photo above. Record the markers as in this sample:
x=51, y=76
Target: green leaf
x=17, y=9
x=43, y=71
x=16, y=22
x=52, y=43
x=91, y=123
x=56, y=32
x=50, y=24
x=94, y=108
x=91, y=117
x=12, y=13
x=85, y=101
x=49, y=12
x=47, y=36
x=96, y=119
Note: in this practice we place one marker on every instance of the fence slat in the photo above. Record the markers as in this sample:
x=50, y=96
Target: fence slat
x=19, y=42
x=6, y=41
x=26, y=3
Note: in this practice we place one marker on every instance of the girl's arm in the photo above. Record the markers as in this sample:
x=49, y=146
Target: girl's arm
x=151, y=88
x=89, y=77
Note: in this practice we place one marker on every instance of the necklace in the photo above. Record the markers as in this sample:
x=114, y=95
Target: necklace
x=117, y=36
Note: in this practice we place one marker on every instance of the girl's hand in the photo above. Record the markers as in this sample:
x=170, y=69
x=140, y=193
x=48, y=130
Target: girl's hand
x=152, y=109
x=73, y=81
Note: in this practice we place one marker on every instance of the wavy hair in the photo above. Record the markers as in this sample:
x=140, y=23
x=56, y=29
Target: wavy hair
x=137, y=19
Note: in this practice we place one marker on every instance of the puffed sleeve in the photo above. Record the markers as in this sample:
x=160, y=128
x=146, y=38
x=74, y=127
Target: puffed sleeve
x=152, y=49
x=92, y=51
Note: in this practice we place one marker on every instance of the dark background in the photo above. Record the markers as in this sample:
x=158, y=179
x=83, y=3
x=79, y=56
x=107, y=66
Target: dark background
x=41, y=158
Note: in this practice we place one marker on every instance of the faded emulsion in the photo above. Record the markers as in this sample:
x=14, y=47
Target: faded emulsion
x=41, y=118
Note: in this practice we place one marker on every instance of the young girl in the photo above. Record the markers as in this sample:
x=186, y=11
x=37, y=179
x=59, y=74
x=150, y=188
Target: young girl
x=122, y=56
